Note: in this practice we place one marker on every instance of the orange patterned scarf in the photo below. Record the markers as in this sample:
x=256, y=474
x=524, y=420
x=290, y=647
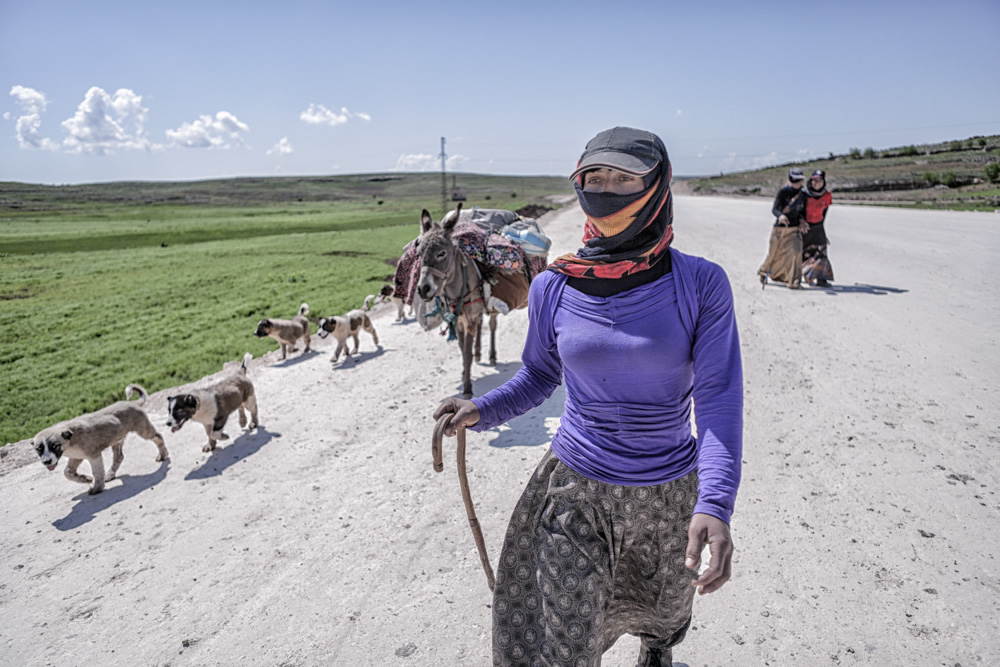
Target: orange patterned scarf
x=624, y=234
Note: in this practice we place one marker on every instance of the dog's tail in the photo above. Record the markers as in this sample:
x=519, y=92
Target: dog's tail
x=368, y=303
x=246, y=360
x=136, y=387
x=304, y=309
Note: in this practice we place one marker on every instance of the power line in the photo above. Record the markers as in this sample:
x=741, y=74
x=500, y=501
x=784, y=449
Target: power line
x=444, y=180
x=841, y=134
x=759, y=136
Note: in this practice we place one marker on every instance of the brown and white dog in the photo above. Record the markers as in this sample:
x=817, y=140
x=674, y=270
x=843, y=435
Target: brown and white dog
x=286, y=332
x=349, y=324
x=86, y=437
x=212, y=406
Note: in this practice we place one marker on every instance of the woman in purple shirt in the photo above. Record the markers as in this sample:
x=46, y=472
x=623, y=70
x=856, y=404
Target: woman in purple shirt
x=606, y=539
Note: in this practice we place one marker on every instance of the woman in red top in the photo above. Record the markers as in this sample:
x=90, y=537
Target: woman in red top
x=816, y=268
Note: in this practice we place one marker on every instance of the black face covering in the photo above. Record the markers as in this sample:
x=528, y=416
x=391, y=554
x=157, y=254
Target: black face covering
x=604, y=205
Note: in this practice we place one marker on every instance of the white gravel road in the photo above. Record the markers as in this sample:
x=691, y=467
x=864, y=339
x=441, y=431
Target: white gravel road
x=866, y=525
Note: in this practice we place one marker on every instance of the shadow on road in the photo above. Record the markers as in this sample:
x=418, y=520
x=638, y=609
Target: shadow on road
x=355, y=359
x=858, y=288
x=528, y=430
x=88, y=506
x=230, y=454
x=293, y=361
x=531, y=430
x=505, y=371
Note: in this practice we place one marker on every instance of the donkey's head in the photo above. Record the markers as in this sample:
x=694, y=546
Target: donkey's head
x=439, y=257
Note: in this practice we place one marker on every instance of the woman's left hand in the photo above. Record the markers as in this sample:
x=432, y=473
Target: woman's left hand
x=707, y=529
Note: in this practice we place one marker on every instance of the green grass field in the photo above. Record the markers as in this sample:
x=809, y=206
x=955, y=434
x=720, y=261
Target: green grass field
x=97, y=292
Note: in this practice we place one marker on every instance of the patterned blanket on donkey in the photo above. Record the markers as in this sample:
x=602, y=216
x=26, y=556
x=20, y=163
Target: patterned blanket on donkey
x=494, y=252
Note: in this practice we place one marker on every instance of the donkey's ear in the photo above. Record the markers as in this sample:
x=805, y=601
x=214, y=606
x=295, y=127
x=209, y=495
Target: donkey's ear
x=426, y=221
x=451, y=219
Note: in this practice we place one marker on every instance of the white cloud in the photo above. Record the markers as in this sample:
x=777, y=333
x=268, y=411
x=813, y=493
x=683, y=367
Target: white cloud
x=679, y=112
x=224, y=130
x=29, y=123
x=105, y=123
x=424, y=162
x=768, y=160
x=317, y=114
x=283, y=147
x=734, y=162
x=415, y=162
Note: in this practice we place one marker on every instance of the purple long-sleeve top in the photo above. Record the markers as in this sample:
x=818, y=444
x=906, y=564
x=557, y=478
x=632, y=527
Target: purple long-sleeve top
x=633, y=362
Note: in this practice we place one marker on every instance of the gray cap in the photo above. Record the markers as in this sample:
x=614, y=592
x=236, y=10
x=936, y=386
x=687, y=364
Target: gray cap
x=795, y=174
x=626, y=149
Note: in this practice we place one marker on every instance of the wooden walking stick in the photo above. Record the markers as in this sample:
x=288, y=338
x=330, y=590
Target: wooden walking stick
x=463, y=481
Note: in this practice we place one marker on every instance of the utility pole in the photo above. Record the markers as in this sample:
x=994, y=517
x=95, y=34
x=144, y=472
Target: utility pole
x=444, y=181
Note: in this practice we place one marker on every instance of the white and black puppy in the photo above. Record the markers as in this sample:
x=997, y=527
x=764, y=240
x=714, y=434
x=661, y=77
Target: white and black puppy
x=86, y=437
x=212, y=406
x=286, y=332
x=347, y=325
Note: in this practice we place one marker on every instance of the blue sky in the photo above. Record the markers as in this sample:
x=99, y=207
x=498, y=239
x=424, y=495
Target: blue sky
x=110, y=90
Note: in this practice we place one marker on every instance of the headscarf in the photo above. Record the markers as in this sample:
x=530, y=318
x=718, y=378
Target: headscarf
x=809, y=186
x=624, y=234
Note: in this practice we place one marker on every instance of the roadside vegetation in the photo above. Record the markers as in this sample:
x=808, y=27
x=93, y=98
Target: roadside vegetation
x=161, y=283
x=955, y=175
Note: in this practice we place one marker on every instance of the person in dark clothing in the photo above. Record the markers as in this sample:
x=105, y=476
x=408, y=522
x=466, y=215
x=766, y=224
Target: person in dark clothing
x=816, y=267
x=784, y=253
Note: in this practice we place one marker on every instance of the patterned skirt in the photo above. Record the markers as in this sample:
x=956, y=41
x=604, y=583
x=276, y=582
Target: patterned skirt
x=585, y=562
x=784, y=256
x=816, y=267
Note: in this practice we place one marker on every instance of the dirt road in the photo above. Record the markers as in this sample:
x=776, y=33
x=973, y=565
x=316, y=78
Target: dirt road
x=866, y=526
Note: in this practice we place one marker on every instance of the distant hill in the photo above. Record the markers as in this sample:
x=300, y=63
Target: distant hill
x=477, y=189
x=960, y=175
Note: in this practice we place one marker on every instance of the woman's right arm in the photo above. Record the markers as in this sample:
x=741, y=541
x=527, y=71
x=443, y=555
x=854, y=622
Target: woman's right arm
x=537, y=378
x=776, y=207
